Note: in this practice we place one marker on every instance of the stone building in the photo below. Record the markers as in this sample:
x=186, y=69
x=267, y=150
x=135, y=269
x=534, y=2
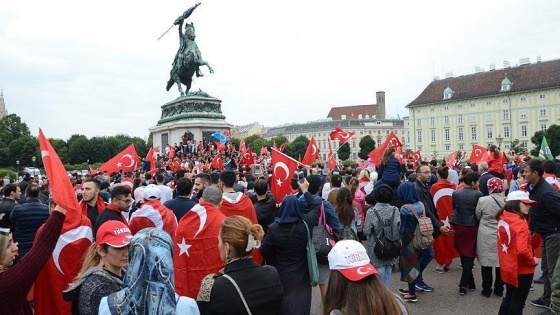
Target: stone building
x=3, y=109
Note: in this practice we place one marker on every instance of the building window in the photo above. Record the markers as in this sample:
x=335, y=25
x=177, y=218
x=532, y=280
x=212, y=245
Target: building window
x=446, y=120
x=524, y=144
x=460, y=106
x=386, y=132
x=489, y=103
x=505, y=114
x=473, y=133
x=460, y=134
x=460, y=118
x=433, y=135
x=473, y=105
x=418, y=122
x=461, y=146
x=488, y=116
x=523, y=98
x=506, y=132
x=445, y=107
x=542, y=111
x=432, y=109
x=447, y=147
x=419, y=133
x=432, y=121
x=353, y=143
x=489, y=134
x=473, y=117
x=524, y=113
x=504, y=100
x=524, y=131
x=446, y=134
x=355, y=155
x=542, y=96
x=543, y=127
x=378, y=140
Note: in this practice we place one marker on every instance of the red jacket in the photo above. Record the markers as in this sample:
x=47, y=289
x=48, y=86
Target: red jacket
x=496, y=164
x=520, y=239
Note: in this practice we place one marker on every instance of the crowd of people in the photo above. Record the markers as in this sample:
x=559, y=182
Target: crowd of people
x=180, y=235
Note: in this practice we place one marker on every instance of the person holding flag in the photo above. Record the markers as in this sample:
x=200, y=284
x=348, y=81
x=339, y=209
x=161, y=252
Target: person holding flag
x=517, y=263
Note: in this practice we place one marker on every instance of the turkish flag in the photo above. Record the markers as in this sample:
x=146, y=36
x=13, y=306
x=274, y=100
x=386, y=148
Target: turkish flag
x=283, y=168
x=443, y=245
x=196, y=251
x=452, y=159
x=478, y=154
x=311, y=153
x=331, y=162
x=218, y=163
x=341, y=135
x=227, y=133
x=248, y=157
x=220, y=146
x=417, y=156
x=172, y=150
x=127, y=160
x=264, y=150
x=507, y=251
x=282, y=147
x=376, y=154
x=400, y=155
x=150, y=158
x=75, y=238
x=242, y=146
x=153, y=214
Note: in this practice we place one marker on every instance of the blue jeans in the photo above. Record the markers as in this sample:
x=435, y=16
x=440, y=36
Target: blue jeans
x=385, y=275
x=425, y=257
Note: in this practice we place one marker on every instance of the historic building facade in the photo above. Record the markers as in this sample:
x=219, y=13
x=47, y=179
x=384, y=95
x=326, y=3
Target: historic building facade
x=492, y=107
x=3, y=109
x=247, y=130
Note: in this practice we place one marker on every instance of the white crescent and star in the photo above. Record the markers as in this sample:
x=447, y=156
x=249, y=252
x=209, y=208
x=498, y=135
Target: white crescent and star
x=446, y=222
x=201, y=212
x=314, y=149
x=477, y=152
x=505, y=225
x=131, y=160
x=363, y=270
x=344, y=134
x=69, y=237
x=183, y=248
x=283, y=166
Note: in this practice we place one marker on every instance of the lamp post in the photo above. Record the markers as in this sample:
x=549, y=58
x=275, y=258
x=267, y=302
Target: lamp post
x=17, y=168
x=499, y=140
x=33, y=159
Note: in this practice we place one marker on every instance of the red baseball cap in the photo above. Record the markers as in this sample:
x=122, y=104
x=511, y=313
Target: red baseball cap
x=113, y=233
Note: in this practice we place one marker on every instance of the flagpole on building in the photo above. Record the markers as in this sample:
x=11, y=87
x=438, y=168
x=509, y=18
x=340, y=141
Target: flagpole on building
x=278, y=151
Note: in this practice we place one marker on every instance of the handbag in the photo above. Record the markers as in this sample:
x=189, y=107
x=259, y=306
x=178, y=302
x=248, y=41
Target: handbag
x=323, y=237
x=311, y=259
x=240, y=294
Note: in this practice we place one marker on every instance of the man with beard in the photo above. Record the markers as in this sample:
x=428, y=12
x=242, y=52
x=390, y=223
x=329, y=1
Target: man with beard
x=121, y=200
x=201, y=181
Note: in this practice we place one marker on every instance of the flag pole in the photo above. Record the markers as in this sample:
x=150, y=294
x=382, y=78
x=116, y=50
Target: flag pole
x=278, y=151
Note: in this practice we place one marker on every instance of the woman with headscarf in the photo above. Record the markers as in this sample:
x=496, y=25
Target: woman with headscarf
x=259, y=286
x=409, y=262
x=487, y=252
x=284, y=248
x=465, y=225
x=444, y=253
x=149, y=283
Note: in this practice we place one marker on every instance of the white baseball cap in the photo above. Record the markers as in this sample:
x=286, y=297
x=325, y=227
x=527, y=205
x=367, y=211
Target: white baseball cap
x=152, y=192
x=521, y=196
x=351, y=260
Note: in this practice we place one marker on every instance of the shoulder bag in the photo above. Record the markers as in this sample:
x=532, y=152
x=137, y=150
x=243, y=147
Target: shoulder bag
x=311, y=259
x=323, y=237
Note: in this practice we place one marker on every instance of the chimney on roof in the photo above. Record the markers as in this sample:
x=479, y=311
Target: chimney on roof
x=538, y=58
x=380, y=108
x=506, y=64
x=524, y=61
x=478, y=69
x=436, y=77
x=492, y=67
x=449, y=75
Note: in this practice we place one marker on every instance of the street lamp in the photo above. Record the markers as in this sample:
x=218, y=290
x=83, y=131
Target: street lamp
x=33, y=159
x=17, y=163
x=499, y=139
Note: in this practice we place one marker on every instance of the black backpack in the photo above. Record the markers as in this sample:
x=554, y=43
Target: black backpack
x=389, y=246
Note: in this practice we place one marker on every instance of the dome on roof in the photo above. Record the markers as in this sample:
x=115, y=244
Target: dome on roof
x=447, y=90
x=506, y=81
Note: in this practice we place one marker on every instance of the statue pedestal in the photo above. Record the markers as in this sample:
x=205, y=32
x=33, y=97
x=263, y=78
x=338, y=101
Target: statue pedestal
x=197, y=113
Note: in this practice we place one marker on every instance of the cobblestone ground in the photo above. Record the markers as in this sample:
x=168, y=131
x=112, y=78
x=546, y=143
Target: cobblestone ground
x=445, y=300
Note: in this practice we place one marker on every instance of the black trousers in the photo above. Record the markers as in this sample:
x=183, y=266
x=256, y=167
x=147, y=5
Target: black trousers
x=514, y=301
x=467, y=279
x=487, y=280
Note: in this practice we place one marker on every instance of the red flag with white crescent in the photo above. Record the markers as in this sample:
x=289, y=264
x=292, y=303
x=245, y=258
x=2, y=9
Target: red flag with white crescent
x=126, y=160
x=443, y=245
x=507, y=250
x=341, y=135
x=451, y=159
x=242, y=146
x=417, y=155
x=75, y=238
x=172, y=150
x=399, y=155
x=478, y=154
x=196, y=251
x=311, y=153
x=248, y=157
x=264, y=150
x=220, y=146
x=218, y=163
x=283, y=168
x=376, y=154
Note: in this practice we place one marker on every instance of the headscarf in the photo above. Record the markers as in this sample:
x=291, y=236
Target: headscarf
x=407, y=193
x=495, y=185
x=290, y=211
x=453, y=177
x=148, y=281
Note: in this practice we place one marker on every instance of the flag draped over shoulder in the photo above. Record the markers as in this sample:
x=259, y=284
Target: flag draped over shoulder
x=443, y=245
x=283, y=168
x=196, y=251
x=75, y=238
x=545, y=152
x=311, y=153
x=507, y=252
x=127, y=160
x=341, y=135
x=376, y=154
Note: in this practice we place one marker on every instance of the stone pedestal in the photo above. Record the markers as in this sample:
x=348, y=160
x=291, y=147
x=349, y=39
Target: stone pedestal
x=197, y=113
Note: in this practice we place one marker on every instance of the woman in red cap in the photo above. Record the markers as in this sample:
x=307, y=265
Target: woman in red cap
x=103, y=268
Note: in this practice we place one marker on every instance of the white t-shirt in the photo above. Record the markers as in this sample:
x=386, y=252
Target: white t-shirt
x=166, y=193
x=185, y=306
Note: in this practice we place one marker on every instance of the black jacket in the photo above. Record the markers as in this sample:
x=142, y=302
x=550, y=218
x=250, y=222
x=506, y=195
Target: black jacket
x=27, y=218
x=6, y=207
x=464, y=206
x=266, y=210
x=428, y=201
x=260, y=285
x=545, y=215
x=483, y=183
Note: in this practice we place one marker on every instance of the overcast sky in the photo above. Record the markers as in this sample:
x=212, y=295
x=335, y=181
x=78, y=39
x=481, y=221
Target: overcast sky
x=96, y=68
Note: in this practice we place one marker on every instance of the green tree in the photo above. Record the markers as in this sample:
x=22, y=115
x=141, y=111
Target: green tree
x=140, y=145
x=61, y=148
x=236, y=142
x=297, y=148
x=517, y=147
x=23, y=149
x=254, y=143
x=279, y=140
x=150, y=142
x=367, y=144
x=12, y=128
x=552, y=137
x=78, y=149
x=344, y=151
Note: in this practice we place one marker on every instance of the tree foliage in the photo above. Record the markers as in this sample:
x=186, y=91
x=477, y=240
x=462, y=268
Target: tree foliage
x=552, y=137
x=367, y=144
x=344, y=151
x=517, y=147
x=297, y=148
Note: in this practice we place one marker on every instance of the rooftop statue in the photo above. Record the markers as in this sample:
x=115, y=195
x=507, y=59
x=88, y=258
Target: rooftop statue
x=188, y=59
